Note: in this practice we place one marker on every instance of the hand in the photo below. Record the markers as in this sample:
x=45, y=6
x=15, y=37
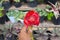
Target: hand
x=24, y=35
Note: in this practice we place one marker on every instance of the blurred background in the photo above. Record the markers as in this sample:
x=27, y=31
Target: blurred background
x=12, y=13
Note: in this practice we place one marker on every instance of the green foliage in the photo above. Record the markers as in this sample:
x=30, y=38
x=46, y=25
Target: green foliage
x=1, y=1
x=48, y=6
x=50, y=15
x=31, y=0
x=1, y=14
x=1, y=8
x=17, y=0
x=42, y=12
x=16, y=13
x=20, y=14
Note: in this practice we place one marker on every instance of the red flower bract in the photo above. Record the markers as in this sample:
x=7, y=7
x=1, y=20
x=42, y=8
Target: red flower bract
x=31, y=18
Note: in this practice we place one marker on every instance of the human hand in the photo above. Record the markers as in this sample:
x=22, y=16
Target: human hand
x=24, y=35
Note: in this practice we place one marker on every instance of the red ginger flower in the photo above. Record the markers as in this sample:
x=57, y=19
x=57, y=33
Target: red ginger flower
x=31, y=18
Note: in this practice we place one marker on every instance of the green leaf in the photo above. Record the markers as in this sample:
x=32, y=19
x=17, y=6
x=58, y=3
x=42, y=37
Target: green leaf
x=1, y=14
x=50, y=15
x=1, y=8
x=41, y=12
x=31, y=0
x=48, y=6
x=17, y=0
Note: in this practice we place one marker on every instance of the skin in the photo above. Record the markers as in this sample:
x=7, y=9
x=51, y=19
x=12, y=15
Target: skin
x=24, y=35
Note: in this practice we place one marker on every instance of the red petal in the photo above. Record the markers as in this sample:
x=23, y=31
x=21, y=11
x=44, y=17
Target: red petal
x=31, y=18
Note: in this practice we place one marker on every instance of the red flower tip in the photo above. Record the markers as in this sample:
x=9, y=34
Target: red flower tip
x=31, y=18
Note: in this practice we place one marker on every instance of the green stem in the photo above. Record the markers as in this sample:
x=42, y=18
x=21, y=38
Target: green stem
x=30, y=28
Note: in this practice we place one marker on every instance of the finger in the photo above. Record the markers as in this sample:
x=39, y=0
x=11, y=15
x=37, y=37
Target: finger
x=23, y=29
